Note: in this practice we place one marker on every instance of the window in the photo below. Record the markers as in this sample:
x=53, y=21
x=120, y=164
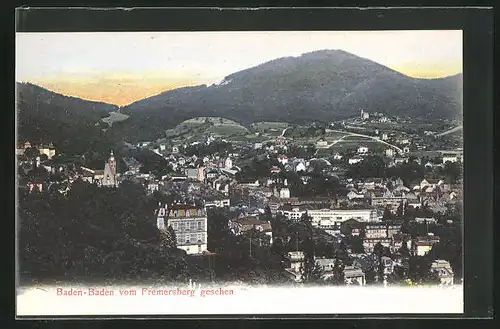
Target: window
x=199, y=225
x=188, y=238
x=187, y=212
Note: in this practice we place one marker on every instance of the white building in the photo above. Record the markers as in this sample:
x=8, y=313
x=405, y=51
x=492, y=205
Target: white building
x=450, y=158
x=362, y=150
x=322, y=143
x=443, y=269
x=354, y=276
x=218, y=203
x=337, y=156
x=292, y=213
x=283, y=159
x=355, y=160
x=189, y=223
x=389, y=152
x=228, y=163
x=296, y=259
x=330, y=217
x=300, y=167
x=285, y=193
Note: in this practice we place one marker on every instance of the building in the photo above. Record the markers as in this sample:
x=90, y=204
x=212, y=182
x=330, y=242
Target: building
x=355, y=160
x=195, y=173
x=326, y=264
x=49, y=151
x=392, y=202
x=422, y=220
x=388, y=265
x=257, y=145
x=423, y=244
x=393, y=229
x=330, y=217
x=362, y=150
x=295, y=260
x=285, y=193
x=283, y=159
x=369, y=244
x=354, y=276
x=400, y=160
x=300, y=166
x=228, y=163
x=376, y=231
x=218, y=203
x=444, y=271
x=450, y=157
x=242, y=225
x=292, y=212
x=322, y=143
x=189, y=223
x=110, y=177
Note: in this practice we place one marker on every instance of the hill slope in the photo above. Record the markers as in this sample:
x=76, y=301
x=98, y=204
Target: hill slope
x=322, y=85
x=70, y=123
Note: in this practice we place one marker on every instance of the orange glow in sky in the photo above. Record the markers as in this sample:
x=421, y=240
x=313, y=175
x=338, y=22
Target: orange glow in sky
x=120, y=68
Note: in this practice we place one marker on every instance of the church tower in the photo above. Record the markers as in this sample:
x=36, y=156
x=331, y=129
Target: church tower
x=112, y=163
x=110, y=171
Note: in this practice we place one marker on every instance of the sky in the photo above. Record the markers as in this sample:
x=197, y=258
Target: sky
x=122, y=67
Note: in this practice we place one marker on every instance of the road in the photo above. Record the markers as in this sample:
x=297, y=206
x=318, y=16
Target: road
x=352, y=134
x=449, y=131
x=284, y=131
x=347, y=134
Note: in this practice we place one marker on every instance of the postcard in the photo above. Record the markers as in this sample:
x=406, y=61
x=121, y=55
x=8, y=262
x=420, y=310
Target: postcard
x=239, y=172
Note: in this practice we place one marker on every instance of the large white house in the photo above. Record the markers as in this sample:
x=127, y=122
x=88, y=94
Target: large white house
x=330, y=217
x=189, y=223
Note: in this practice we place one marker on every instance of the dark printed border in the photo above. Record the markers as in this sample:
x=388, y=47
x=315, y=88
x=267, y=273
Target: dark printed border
x=477, y=26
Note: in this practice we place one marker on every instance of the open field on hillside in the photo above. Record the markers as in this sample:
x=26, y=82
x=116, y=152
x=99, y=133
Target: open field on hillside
x=267, y=125
x=114, y=117
x=207, y=125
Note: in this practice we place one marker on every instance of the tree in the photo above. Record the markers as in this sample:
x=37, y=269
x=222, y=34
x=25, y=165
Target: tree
x=403, y=250
x=268, y=216
x=387, y=216
x=378, y=251
x=337, y=277
x=169, y=238
x=310, y=271
x=400, y=210
x=31, y=152
x=356, y=244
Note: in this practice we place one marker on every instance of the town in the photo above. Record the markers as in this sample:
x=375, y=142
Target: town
x=365, y=201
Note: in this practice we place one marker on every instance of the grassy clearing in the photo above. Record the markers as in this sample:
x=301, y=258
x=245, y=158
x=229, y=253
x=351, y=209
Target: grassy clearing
x=267, y=125
x=227, y=130
x=114, y=117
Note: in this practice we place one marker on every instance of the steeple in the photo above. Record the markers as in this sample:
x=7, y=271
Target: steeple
x=112, y=163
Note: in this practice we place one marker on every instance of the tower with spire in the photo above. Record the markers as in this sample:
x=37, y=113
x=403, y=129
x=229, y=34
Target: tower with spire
x=110, y=175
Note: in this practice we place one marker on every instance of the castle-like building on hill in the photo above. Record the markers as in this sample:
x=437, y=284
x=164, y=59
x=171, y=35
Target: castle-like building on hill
x=110, y=173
